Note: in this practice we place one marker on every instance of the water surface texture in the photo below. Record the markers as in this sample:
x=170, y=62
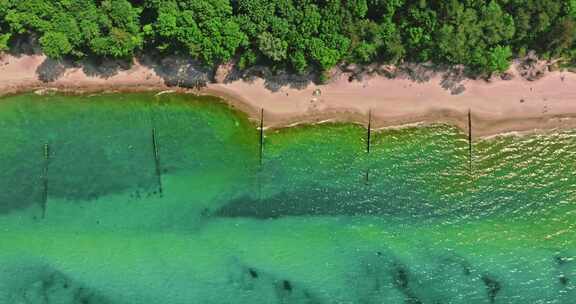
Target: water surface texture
x=137, y=198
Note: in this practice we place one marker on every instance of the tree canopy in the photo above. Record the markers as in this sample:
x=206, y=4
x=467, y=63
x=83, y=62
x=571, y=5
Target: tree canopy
x=298, y=35
x=75, y=27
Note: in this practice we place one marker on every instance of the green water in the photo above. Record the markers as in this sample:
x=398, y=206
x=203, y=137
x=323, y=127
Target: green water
x=319, y=222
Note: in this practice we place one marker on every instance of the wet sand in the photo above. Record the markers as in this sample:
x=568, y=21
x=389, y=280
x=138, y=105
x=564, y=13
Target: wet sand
x=497, y=107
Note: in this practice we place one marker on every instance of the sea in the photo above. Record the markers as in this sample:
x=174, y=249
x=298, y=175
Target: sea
x=141, y=198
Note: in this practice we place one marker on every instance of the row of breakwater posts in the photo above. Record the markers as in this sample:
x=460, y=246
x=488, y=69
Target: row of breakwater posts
x=368, y=143
x=46, y=165
x=369, y=135
x=158, y=167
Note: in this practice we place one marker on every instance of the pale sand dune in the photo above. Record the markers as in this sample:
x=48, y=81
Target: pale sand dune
x=549, y=103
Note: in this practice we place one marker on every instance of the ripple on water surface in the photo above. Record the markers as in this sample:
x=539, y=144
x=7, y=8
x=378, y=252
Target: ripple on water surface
x=192, y=217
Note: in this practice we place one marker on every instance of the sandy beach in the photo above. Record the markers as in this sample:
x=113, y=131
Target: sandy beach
x=497, y=107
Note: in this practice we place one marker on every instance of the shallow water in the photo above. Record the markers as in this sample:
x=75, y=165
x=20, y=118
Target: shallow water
x=320, y=221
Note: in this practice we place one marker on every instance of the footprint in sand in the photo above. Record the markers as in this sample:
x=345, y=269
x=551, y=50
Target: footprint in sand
x=316, y=105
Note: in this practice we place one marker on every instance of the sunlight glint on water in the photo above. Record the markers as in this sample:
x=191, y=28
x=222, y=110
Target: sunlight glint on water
x=307, y=227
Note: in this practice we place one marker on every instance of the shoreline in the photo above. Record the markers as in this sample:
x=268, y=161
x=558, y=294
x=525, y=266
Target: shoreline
x=498, y=107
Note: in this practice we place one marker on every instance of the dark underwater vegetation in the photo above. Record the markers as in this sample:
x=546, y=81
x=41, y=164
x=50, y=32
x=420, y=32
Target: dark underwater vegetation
x=137, y=198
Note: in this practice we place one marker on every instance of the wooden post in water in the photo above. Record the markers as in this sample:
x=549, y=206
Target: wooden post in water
x=156, y=152
x=369, y=132
x=368, y=142
x=470, y=141
x=261, y=141
x=260, y=153
x=44, y=201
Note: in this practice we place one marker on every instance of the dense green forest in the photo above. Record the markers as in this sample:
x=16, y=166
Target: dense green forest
x=297, y=35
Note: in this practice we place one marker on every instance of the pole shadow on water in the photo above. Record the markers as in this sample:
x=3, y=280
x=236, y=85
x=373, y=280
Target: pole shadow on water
x=156, y=145
x=44, y=199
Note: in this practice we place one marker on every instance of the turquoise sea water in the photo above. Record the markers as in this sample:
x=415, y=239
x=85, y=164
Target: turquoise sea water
x=320, y=221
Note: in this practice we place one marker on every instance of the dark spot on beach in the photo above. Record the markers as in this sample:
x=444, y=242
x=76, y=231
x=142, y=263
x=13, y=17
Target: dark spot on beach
x=492, y=286
x=378, y=253
x=563, y=280
x=253, y=273
x=286, y=285
x=522, y=100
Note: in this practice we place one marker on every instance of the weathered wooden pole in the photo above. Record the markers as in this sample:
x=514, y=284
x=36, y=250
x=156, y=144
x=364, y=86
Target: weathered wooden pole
x=470, y=141
x=369, y=132
x=260, y=154
x=368, y=142
x=156, y=152
x=44, y=201
x=261, y=141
